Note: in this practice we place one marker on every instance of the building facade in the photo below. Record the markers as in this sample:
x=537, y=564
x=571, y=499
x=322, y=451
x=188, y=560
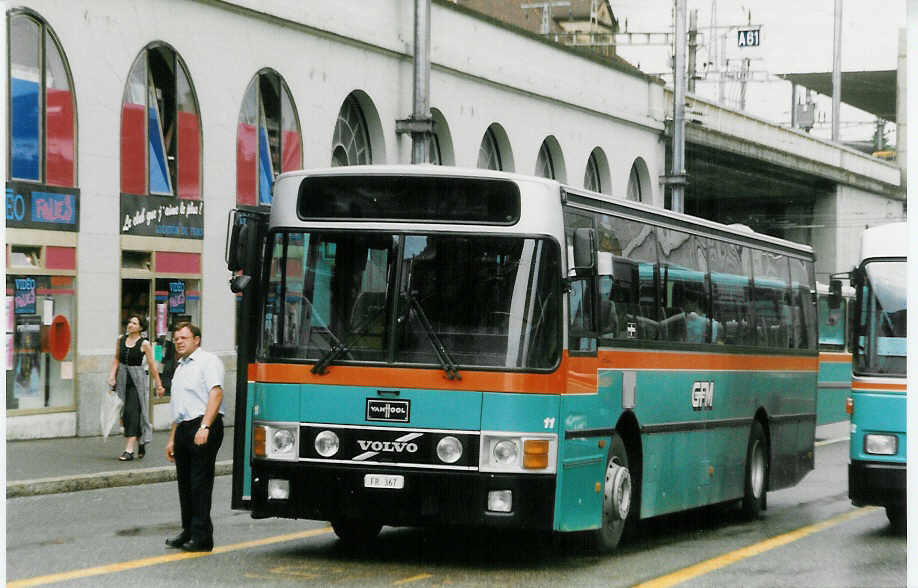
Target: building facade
x=133, y=128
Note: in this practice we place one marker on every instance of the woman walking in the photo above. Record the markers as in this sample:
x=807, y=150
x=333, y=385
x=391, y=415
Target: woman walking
x=128, y=378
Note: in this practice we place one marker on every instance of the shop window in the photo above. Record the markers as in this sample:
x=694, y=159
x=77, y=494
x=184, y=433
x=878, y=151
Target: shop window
x=268, y=138
x=39, y=341
x=177, y=300
x=351, y=140
x=160, y=128
x=137, y=260
x=42, y=109
x=24, y=256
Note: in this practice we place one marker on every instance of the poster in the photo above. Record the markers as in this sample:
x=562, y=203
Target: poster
x=160, y=320
x=25, y=296
x=177, y=297
x=27, y=382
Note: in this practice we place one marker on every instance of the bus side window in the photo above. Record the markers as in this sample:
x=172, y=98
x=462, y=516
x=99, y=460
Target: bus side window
x=627, y=283
x=731, y=293
x=771, y=299
x=804, y=322
x=684, y=286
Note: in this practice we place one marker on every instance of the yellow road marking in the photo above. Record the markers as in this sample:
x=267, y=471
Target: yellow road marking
x=160, y=559
x=715, y=563
x=412, y=579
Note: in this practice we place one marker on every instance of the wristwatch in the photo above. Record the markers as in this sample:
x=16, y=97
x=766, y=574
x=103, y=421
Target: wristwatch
x=207, y=427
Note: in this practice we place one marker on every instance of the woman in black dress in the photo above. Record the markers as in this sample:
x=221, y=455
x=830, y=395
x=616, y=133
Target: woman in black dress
x=129, y=379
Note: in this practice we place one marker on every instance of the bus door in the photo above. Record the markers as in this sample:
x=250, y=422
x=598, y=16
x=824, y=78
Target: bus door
x=244, y=250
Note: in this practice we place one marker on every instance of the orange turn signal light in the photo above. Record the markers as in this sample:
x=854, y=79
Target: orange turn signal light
x=259, y=436
x=849, y=405
x=535, y=454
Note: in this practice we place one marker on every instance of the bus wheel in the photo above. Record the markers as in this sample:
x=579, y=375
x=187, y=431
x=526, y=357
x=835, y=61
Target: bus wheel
x=616, y=498
x=355, y=532
x=896, y=516
x=756, y=473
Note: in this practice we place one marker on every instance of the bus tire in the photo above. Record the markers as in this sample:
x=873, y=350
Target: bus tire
x=354, y=532
x=617, y=510
x=897, y=518
x=756, y=477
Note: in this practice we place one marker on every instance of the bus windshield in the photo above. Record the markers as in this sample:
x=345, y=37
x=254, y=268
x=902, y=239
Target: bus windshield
x=881, y=326
x=448, y=300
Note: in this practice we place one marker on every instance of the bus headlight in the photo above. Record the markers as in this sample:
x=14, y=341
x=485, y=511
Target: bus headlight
x=283, y=444
x=881, y=444
x=449, y=449
x=327, y=443
x=530, y=453
x=275, y=441
x=505, y=452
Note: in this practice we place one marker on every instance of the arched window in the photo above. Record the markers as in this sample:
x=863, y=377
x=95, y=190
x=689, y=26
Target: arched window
x=591, y=179
x=160, y=128
x=441, y=152
x=635, y=189
x=351, y=140
x=42, y=144
x=268, y=138
x=545, y=167
x=489, y=152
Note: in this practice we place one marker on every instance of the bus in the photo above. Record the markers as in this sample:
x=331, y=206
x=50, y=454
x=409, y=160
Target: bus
x=877, y=470
x=425, y=345
x=834, y=383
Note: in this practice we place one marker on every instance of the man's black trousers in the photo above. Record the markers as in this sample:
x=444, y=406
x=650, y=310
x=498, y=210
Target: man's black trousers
x=194, y=469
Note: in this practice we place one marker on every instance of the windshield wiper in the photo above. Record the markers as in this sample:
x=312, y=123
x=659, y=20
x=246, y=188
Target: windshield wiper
x=446, y=362
x=338, y=347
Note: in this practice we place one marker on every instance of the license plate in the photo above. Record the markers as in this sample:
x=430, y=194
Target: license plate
x=383, y=481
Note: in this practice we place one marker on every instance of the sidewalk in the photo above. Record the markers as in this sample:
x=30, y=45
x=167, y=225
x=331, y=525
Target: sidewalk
x=48, y=466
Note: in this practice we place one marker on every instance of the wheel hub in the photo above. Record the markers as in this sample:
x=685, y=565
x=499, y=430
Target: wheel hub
x=617, y=492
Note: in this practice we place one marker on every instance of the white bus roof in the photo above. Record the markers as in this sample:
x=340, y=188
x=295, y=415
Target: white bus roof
x=884, y=241
x=637, y=208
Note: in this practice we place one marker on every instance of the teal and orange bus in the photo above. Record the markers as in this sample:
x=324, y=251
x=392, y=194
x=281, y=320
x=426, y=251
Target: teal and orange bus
x=877, y=467
x=834, y=383
x=426, y=345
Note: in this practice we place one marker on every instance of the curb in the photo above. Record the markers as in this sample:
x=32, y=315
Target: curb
x=101, y=480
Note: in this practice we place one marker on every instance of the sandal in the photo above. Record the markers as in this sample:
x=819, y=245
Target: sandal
x=126, y=456
x=142, y=451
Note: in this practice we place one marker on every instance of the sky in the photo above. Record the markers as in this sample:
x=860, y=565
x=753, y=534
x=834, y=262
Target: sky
x=796, y=37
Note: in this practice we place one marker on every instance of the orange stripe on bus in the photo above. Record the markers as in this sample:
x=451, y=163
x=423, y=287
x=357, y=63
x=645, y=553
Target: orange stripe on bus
x=877, y=386
x=829, y=357
x=575, y=375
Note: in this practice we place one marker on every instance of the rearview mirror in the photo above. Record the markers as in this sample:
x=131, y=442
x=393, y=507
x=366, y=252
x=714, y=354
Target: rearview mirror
x=239, y=283
x=584, y=252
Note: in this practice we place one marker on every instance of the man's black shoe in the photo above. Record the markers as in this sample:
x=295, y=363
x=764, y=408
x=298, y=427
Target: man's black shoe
x=195, y=545
x=178, y=540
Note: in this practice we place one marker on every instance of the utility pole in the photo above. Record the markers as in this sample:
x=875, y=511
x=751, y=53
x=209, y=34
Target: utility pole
x=420, y=124
x=677, y=172
x=546, y=11
x=692, y=49
x=836, y=71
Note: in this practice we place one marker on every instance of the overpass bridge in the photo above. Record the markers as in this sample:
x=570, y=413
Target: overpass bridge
x=785, y=182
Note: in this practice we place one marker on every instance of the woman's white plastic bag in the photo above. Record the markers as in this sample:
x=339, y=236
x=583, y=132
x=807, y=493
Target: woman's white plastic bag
x=109, y=411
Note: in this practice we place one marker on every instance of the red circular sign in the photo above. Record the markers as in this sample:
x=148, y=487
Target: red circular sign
x=59, y=337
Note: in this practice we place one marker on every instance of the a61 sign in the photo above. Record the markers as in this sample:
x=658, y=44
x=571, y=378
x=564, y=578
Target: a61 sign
x=748, y=38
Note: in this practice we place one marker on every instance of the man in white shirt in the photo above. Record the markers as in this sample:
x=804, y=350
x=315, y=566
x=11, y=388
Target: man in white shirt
x=197, y=432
